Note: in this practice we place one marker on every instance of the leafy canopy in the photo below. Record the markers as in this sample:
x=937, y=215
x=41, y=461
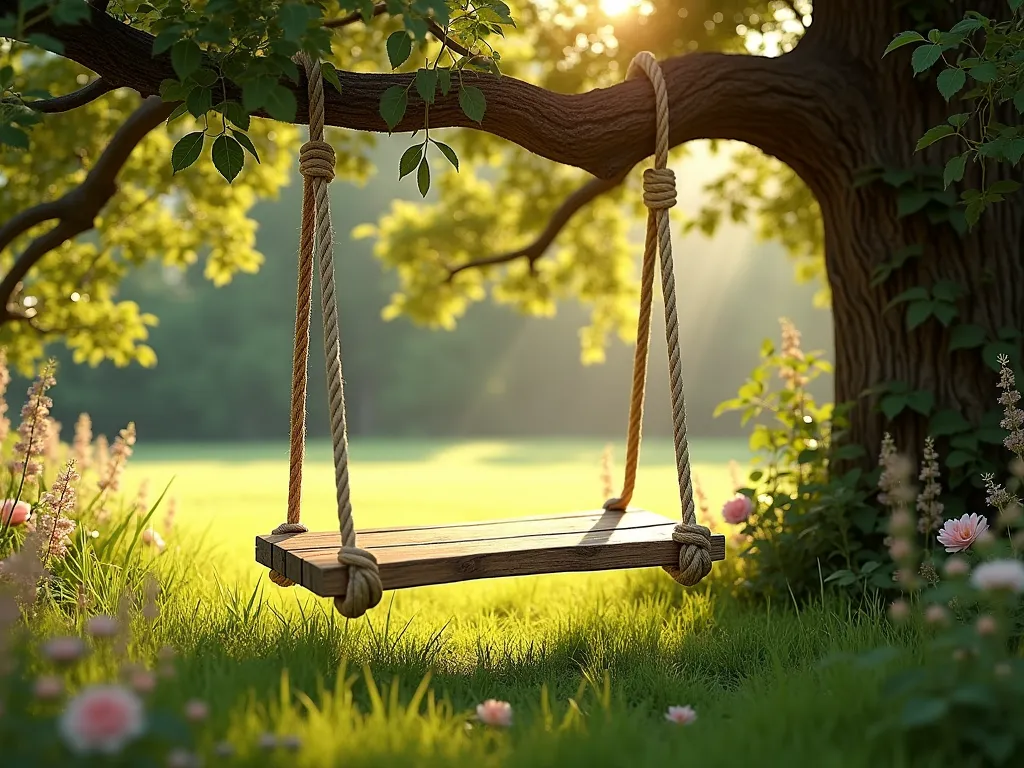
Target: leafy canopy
x=187, y=191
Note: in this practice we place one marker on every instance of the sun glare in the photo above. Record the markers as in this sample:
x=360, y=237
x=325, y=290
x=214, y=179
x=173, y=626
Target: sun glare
x=617, y=7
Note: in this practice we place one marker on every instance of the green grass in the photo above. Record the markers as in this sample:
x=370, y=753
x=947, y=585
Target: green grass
x=590, y=662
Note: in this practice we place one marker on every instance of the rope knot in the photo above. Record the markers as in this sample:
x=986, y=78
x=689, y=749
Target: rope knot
x=276, y=576
x=364, y=589
x=316, y=159
x=694, y=554
x=659, y=188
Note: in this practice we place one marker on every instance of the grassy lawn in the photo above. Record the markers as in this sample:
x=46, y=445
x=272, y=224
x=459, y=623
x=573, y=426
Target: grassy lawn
x=589, y=662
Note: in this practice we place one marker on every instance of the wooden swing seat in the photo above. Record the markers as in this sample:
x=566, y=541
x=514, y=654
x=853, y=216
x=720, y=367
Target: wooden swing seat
x=422, y=555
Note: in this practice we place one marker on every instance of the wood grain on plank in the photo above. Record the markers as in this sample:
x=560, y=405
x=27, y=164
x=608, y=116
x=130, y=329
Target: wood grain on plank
x=424, y=555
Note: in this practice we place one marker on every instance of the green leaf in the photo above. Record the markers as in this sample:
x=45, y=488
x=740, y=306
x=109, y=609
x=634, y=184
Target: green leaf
x=917, y=313
x=1004, y=187
x=280, y=103
x=399, y=46
x=918, y=712
x=955, y=459
x=246, y=142
x=473, y=103
x=393, y=103
x=1018, y=101
x=921, y=401
x=410, y=159
x=199, y=101
x=46, y=42
x=924, y=57
x=330, y=74
x=228, y=156
x=966, y=336
x=934, y=134
x=973, y=212
x=954, y=170
x=204, y=77
x=293, y=19
x=187, y=150
x=893, y=405
x=903, y=38
x=70, y=11
x=426, y=84
x=181, y=109
x=917, y=293
x=449, y=153
x=985, y=72
x=444, y=78
x=950, y=81
x=13, y=137
x=236, y=113
x=254, y=92
x=959, y=120
x=948, y=422
x=966, y=26
x=186, y=57
x=423, y=177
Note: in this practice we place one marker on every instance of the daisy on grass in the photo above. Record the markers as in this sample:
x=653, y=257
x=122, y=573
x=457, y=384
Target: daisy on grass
x=102, y=718
x=681, y=715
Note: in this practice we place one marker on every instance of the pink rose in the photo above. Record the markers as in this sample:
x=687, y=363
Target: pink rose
x=737, y=509
x=958, y=534
x=14, y=513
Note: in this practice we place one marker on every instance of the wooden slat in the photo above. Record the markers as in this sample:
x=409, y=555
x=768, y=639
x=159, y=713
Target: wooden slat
x=423, y=555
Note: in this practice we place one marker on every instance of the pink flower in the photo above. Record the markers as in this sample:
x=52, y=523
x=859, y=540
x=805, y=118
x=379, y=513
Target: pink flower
x=493, y=712
x=101, y=626
x=153, y=539
x=957, y=535
x=936, y=614
x=956, y=566
x=102, y=718
x=999, y=575
x=986, y=626
x=737, y=509
x=142, y=681
x=899, y=610
x=681, y=715
x=64, y=650
x=14, y=513
x=48, y=688
x=196, y=710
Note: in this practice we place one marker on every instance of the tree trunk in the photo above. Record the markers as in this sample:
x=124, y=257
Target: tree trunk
x=874, y=124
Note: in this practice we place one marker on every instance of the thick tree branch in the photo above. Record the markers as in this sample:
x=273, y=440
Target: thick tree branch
x=770, y=103
x=76, y=211
x=532, y=252
x=87, y=93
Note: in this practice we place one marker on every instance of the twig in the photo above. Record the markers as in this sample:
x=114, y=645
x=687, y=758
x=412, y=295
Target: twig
x=73, y=100
x=76, y=211
x=435, y=29
x=535, y=250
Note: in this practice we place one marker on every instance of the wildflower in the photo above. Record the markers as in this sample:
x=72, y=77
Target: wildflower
x=893, y=482
x=958, y=534
x=901, y=522
x=956, y=566
x=14, y=512
x=33, y=427
x=681, y=715
x=181, y=758
x=997, y=496
x=196, y=710
x=151, y=538
x=792, y=355
x=102, y=718
x=900, y=549
x=737, y=509
x=61, y=498
x=1013, y=417
x=936, y=614
x=54, y=535
x=142, y=681
x=267, y=741
x=119, y=455
x=102, y=626
x=102, y=458
x=51, y=440
x=929, y=507
x=172, y=508
x=5, y=379
x=999, y=575
x=702, y=499
x=986, y=626
x=493, y=712
x=64, y=650
x=928, y=573
x=48, y=688
x=82, y=445
x=899, y=610
x=607, y=474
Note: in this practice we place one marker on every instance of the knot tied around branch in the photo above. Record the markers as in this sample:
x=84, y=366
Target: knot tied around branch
x=316, y=159
x=659, y=188
x=364, y=588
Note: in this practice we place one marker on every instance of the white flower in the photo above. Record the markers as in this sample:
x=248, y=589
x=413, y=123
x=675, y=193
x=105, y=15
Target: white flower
x=999, y=574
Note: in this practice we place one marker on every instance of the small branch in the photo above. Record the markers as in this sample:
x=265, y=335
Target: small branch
x=77, y=210
x=535, y=250
x=94, y=90
x=381, y=8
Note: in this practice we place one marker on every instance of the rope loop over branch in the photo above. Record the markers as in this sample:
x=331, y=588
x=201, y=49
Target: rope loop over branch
x=659, y=196
x=316, y=244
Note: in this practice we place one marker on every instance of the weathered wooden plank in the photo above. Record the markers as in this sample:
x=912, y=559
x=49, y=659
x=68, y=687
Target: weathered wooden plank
x=499, y=529
x=421, y=555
